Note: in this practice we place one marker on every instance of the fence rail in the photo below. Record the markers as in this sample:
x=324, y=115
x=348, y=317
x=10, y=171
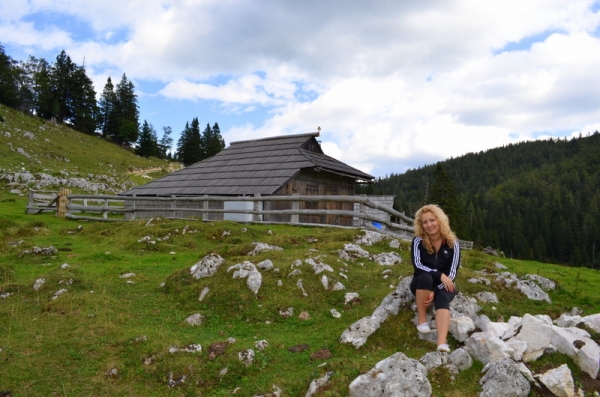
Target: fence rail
x=252, y=209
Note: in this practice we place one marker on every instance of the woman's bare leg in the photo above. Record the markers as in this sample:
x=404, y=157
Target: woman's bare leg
x=442, y=324
x=422, y=297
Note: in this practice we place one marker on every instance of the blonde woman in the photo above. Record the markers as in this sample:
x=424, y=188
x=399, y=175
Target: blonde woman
x=435, y=257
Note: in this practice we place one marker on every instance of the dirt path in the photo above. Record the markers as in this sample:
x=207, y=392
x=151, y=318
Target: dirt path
x=173, y=166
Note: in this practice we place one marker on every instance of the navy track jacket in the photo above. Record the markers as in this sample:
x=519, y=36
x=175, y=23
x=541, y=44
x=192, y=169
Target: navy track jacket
x=446, y=260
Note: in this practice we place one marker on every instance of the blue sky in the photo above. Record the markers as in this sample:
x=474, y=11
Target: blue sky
x=393, y=85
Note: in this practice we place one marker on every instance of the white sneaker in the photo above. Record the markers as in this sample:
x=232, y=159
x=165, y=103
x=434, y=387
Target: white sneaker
x=443, y=348
x=423, y=328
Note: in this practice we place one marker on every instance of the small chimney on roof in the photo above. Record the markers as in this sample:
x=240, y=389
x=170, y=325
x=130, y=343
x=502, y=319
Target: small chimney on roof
x=318, y=131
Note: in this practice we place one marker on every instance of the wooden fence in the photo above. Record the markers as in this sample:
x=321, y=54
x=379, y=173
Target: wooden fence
x=255, y=209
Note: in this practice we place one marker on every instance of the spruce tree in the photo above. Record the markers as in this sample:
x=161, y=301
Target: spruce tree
x=106, y=110
x=147, y=144
x=125, y=113
x=214, y=142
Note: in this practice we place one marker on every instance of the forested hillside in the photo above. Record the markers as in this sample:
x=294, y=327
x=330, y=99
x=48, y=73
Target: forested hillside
x=532, y=200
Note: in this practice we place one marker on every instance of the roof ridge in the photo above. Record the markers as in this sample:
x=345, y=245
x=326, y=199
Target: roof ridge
x=309, y=134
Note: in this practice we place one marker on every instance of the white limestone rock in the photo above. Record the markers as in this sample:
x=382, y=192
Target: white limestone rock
x=503, y=379
x=207, y=267
x=195, y=319
x=460, y=327
x=559, y=381
x=487, y=348
x=387, y=259
x=394, y=376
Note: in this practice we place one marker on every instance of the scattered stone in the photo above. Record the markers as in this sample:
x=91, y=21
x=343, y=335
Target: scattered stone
x=369, y=238
x=387, y=259
x=287, y=312
x=317, y=384
x=395, y=244
x=318, y=265
x=246, y=356
x=38, y=284
x=193, y=348
x=65, y=266
x=142, y=338
x=59, y=293
x=559, y=381
x=304, y=315
x=203, y=294
x=354, y=251
x=504, y=379
x=260, y=247
x=207, y=267
x=335, y=313
x=112, y=373
x=396, y=375
x=127, y=275
x=487, y=297
x=265, y=265
x=174, y=381
x=350, y=297
x=261, y=344
x=195, y=319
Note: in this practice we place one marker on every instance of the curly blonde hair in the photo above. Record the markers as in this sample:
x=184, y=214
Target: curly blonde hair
x=439, y=214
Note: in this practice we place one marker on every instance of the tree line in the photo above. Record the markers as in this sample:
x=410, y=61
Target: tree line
x=535, y=200
x=62, y=92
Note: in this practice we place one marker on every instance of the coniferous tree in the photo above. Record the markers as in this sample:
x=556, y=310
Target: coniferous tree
x=189, y=146
x=61, y=76
x=213, y=141
x=8, y=81
x=147, y=144
x=125, y=113
x=106, y=110
x=84, y=107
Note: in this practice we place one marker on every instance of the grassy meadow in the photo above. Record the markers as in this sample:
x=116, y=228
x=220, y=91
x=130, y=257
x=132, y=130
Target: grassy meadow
x=110, y=336
x=106, y=336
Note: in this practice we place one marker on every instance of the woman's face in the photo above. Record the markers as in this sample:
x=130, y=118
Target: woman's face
x=430, y=224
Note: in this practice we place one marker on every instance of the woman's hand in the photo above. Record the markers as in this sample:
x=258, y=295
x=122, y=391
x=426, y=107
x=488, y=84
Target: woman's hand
x=429, y=300
x=448, y=283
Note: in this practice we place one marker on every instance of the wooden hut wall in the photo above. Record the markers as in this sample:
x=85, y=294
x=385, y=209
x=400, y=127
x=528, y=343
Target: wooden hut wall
x=312, y=183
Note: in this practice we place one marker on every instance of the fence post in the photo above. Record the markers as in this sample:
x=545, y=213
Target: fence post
x=295, y=218
x=132, y=207
x=361, y=210
x=173, y=205
x=105, y=213
x=29, y=201
x=256, y=217
x=61, y=206
x=205, y=207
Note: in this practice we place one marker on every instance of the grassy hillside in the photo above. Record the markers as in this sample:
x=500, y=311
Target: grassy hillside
x=31, y=144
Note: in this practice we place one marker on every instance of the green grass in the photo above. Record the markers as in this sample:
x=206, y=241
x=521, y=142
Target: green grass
x=67, y=346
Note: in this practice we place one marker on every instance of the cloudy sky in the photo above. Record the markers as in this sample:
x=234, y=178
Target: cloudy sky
x=392, y=84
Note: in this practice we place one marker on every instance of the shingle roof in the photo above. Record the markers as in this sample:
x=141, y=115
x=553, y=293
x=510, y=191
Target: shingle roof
x=258, y=166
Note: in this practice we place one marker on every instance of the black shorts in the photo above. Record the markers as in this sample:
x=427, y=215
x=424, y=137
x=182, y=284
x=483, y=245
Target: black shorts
x=442, y=297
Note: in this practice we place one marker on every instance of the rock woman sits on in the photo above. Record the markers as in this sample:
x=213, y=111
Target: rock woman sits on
x=435, y=254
